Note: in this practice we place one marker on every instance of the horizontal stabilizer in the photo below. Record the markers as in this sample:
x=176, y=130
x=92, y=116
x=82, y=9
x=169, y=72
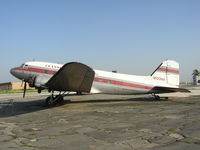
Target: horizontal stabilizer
x=72, y=76
x=160, y=89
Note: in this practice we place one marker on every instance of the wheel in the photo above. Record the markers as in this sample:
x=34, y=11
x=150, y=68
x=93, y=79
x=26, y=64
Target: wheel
x=59, y=99
x=79, y=93
x=157, y=97
x=48, y=101
x=39, y=91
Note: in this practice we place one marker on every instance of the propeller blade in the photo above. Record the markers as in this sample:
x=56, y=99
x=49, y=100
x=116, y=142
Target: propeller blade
x=25, y=84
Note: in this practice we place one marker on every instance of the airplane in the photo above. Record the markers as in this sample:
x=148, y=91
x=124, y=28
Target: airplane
x=78, y=77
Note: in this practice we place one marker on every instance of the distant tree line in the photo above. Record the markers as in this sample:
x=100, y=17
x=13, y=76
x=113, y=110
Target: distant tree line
x=196, y=72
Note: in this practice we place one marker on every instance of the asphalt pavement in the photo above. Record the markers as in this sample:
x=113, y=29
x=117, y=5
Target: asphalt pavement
x=96, y=122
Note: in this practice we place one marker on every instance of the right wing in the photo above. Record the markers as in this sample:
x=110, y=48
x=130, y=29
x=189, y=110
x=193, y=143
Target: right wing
x=72, y=76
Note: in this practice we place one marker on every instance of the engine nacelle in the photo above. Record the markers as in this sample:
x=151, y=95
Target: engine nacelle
x=39, y=81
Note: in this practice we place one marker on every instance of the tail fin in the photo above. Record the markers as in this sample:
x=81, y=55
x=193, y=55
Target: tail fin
x=168, y=72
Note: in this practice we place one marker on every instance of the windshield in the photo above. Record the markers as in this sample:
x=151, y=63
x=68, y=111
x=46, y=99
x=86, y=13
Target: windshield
x=22, y=66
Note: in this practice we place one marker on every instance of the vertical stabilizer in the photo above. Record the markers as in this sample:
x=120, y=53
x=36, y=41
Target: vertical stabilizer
x=168, y=72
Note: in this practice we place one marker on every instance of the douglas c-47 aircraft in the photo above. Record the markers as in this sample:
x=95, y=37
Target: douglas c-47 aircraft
x=79, y=78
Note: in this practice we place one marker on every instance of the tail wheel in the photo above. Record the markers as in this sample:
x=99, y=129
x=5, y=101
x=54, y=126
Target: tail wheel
x=157, y=97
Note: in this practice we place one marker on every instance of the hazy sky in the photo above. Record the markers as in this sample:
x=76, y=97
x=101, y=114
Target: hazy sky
x=130, y=36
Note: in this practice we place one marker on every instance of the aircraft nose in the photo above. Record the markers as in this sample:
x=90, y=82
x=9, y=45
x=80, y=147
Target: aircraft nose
x=12, y=71
x=15, y=73
x=18, y=73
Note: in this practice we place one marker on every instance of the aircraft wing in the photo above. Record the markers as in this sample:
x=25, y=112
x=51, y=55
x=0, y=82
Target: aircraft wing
x=72, y=76
x=161, y=89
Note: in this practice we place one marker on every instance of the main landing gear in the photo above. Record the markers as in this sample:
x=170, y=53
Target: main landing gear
x=53, y=100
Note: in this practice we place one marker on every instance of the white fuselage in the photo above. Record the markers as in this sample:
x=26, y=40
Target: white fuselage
x=104, y=82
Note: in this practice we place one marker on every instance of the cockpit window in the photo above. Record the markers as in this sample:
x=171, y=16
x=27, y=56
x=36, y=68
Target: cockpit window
x=24, y=66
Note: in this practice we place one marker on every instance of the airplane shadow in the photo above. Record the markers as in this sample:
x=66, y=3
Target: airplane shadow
x=8, y=109
x=141, y=99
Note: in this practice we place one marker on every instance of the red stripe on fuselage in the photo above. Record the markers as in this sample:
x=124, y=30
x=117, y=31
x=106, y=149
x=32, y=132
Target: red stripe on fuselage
x=163, y=69
x=122, y=83
x=36, y=70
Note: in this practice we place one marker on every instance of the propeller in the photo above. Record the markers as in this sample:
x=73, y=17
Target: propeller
x=25, y=85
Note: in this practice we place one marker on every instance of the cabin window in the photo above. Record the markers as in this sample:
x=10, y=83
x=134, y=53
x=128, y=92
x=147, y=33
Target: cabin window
x=198, y=81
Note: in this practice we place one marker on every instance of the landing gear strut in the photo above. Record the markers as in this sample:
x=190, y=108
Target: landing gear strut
x=156, y=97
x=78, y=93
x=53, y=100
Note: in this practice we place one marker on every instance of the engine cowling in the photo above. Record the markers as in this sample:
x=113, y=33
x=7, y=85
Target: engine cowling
x=38, y=81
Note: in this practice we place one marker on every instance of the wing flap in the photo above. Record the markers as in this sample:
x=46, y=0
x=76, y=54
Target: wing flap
x=72, y=76
x=160, y=89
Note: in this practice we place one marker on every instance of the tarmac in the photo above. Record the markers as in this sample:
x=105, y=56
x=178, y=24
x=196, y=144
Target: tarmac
x=97, y=122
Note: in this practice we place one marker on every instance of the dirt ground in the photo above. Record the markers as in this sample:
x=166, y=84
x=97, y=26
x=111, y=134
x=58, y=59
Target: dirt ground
x=96, y=122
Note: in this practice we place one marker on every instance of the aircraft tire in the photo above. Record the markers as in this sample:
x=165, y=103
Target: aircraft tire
x=78, y=93
x=39, y=91
x=157, y=97
x=59, y=99
x=48, y=101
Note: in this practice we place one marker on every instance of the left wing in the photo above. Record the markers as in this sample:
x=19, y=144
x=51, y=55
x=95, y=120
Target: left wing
x=72, y=76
